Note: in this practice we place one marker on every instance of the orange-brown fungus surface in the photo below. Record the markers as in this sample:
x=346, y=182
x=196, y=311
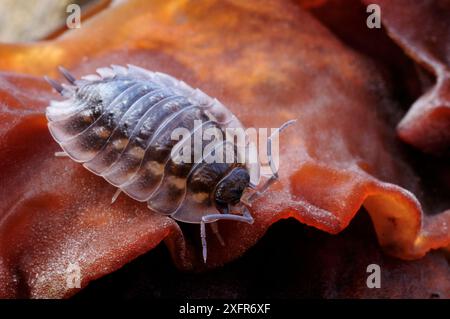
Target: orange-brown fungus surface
x=268, y=64
x=422, y=30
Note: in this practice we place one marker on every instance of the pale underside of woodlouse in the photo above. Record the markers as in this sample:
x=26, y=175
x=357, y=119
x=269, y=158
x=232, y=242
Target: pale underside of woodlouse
x=118, y=123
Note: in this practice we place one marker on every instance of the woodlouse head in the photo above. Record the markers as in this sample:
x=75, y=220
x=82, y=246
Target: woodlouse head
x=230, y=188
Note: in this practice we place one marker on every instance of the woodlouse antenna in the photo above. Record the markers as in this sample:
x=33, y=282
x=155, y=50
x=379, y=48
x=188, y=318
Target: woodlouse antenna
x=248, y=200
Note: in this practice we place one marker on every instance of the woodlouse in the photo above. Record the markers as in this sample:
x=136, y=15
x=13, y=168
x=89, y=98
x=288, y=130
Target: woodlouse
x=118, y=123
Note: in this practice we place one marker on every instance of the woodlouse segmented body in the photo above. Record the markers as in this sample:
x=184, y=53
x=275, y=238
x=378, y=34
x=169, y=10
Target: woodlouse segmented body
x=118, y=124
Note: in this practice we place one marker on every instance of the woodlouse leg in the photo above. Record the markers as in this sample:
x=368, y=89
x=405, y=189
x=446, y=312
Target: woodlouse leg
x=269, y=146
x=203, y=238
x=116, y=194
x=246, y=200
x=246, y=217
x=61, y=154
x=215, y=229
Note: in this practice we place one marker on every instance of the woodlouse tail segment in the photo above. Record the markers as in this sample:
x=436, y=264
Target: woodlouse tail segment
x=67, y=75
x=61, y=88
x=57, y=86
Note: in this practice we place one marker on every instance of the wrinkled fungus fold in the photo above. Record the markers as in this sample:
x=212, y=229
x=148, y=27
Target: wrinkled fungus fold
x=422, y=30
